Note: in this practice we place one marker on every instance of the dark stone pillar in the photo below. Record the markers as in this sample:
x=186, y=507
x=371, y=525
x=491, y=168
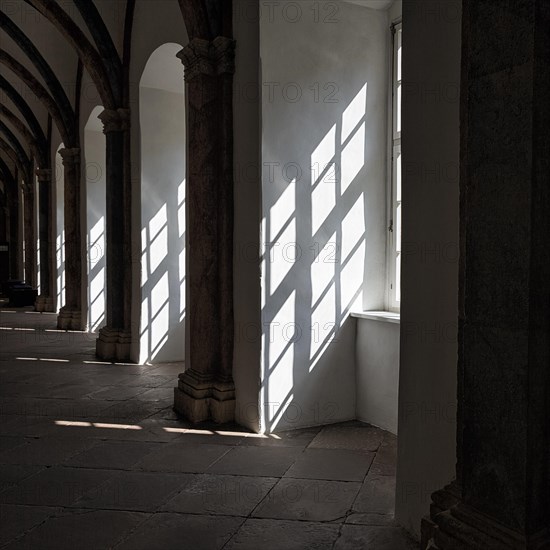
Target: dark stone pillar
x=71, y=315
x=114, y=339
x=206, y=390
x=501, y=499
x=45, y=301
x=3, y=223
x=29, y=232
x=13, y=229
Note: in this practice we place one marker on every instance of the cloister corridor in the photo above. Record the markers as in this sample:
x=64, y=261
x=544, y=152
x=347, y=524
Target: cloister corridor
x=93, y=456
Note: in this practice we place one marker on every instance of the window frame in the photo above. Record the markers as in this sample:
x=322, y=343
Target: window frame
x=393, y=283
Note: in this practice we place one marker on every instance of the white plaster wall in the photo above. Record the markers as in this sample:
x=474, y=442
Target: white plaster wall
x=378, y=373
x=162, y=118
x=324, y=100
x=427, y=389
x=155, y=23
x=94, y=166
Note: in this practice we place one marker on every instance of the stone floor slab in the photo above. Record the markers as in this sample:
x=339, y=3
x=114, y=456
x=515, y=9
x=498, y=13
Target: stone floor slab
x=377, y=496
x=55, y=486
x=353, y=438
x=183, y=458
x=178, y=531
x=359, y=537
x=256, y=461
x=269, y=534
x=112, y=455
x=220, y=494
x=17, y=520
x=79, y=529
x=133, y=491
x=308, y=500
x=331, y=464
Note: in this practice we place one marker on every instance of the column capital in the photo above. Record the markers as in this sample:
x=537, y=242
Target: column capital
x=70, y=156
x=202, y=57
x=115, y=120
x=43, y=174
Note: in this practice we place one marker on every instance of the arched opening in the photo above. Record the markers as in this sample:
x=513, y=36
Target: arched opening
x=163, y=169
x=94, y=155
x=60, y=228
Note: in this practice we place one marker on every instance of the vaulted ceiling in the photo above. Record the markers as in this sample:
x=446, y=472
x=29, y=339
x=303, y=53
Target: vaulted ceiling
x=55, y=54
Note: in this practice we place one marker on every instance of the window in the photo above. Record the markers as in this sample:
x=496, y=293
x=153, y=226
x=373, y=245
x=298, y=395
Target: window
x=394, y=228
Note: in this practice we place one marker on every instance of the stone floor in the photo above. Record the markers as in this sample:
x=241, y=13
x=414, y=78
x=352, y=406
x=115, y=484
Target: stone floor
x=92, y=457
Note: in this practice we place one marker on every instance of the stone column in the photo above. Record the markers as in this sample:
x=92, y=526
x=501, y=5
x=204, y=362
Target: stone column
x=14, y=237
x=501, y=499
x=71, y=315
x=29, y=232
x=45, y=301
x=114, y=339
x=206, y=389
x=3, y=223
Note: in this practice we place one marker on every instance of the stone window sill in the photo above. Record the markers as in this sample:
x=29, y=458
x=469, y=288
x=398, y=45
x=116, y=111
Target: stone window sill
x=384, y=316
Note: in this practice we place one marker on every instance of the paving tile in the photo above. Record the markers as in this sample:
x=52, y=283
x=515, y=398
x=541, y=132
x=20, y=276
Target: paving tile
x=385, y=462
x=366, y=438
x=72, y=529
x=293, y=438
x=311, y=500
x=269, y=534
x=14, y=473
x=116, y=393
x=182, y=457
x=331, y=464
x=10, y=442
x=377, y=495
x=132, y=491
x=219, y=494
x=112, y=455
x=55, y=486
x=46, y=451
x=16, y=520
x=256, y=461
x=157, y=394
x=356, y=518
x=359, y=537
x=178, y=531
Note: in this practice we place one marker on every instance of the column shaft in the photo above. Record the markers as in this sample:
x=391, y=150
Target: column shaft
x=504, y=348
x=13, y=236
x=45, y=302
x=29, y=231
x=206, y=390
x=115, y=338
x=71, y=315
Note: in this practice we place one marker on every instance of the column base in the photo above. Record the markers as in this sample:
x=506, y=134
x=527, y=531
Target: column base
x=461, y=528
x=70, y=319
x=44, y=304
x=113, y=345
x=199, y=400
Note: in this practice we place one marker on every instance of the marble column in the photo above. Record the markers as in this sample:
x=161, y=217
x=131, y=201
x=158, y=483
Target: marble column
x=206, y=389
x=115, y=338
x=501, y=496
x=29, y=232
x=71, y=315
x=45, y=301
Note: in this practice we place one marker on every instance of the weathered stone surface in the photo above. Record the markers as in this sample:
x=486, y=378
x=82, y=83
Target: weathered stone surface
x=504, y=380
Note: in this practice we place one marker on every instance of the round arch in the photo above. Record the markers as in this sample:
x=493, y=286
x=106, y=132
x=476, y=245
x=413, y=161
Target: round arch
x=163, y=170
